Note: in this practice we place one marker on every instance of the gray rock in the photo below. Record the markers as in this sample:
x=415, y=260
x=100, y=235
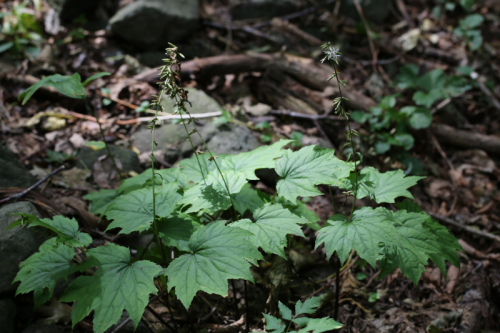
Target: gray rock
x=200, y=101
x=375, y=10
x=12, y=172
x=129, y=328
x=36, y=328
x=172, y=138
x=16, y=244
x=248, y=9
x=7, y=315
x=153, y=23
x=129, y=159
x=232, y=139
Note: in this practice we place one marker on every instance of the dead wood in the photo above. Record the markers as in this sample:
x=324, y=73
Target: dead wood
x=284, y=92
x=451, y=135
x=308, y=72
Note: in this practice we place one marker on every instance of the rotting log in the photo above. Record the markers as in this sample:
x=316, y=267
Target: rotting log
x=466, y=139
x=307, y=71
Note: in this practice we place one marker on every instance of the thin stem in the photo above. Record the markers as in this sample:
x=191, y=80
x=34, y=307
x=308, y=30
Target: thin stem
x=91, y=110
x=337, y=288
x=349, y=136
x=235, y=299
x=246, y=307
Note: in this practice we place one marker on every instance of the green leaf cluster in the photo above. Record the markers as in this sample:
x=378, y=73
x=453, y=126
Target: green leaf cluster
x=206, y=208
x=303, y=323
x=428, y=89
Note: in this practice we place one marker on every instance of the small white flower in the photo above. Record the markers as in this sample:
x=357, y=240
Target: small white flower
x=331, y=53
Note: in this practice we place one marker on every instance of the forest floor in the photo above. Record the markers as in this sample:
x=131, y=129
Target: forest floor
x=267, y=77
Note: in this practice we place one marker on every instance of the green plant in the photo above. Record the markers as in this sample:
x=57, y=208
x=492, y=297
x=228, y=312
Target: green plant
x=468, y=29
x=20, y=32
x=392, y=126
x=73, y=87
x=206, y=209
x=305, y=324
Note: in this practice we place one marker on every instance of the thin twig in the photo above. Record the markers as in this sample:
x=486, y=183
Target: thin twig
x=488, y=93
x=368, y=34
x=294, y=114
x=126, y=321
x=464, y=227
x=157, y=316
x=23, y=193
x=343, y=270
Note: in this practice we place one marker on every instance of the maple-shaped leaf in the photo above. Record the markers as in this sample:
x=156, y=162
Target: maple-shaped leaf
x=274, y=324
x=177, y=229
x=101, y=200
x=144, y=179
x=363, y=233
x=260, y=158
x=117, y=285
x=382, y=187
x=211, y=194
x=414, y=244
x=41, y=271
x=247, y=199
x=217, y=253
x=285, y=311
x=300, y=171
x=66, y=230
x=299, y=208
x=319, y=325
x=191, y=168
x=134, y=211
x=309, y=306
x=446, y=244
x=272, y=225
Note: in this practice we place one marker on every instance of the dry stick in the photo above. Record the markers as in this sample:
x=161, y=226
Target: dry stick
x=157, y=316
x=294, y=114
x=488, y=93
x=335, y=278
x=23, y=193
x=126, y=321
x=368, y=33
x=443, y=154
x=464, y=227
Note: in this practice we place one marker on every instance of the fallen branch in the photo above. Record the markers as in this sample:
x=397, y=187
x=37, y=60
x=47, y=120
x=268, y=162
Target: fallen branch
x=293, y=114
x=17, y=196
x=307, y=71
x=168, y=117
x=466, y=139
x=464, y=227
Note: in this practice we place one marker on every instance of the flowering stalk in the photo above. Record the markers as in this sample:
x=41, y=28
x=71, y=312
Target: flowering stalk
x=333, y=54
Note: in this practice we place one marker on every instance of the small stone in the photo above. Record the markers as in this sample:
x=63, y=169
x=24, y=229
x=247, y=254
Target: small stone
x=129, y=159
x=16, y=244
x=12, y=172
x=153, y=23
